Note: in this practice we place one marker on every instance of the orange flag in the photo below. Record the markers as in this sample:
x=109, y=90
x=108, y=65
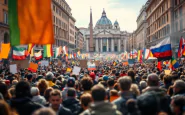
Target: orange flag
x=5, y=49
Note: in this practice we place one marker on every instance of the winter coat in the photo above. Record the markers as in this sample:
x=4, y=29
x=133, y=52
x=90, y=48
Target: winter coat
x=101, y=108
x=24, y=106
x=73, y=104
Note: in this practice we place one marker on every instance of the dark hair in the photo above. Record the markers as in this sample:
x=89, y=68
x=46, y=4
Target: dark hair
x=29, y=77
x=85, y=99
x=55, y=92
x=167, y=79
x=110, y=82
x=104, y=83
x=74, y=76
x=125, y=83
x=22, y=89
x=179, y=101
x=98, y=93
x=71, y=92
x=87, y=83
x=132, y=75
x=4, y=91
x=132, y=108
x=161, y=76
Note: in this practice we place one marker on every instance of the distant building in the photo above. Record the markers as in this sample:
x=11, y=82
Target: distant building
x=79, y=40
x=4, y=28
x=107, y=37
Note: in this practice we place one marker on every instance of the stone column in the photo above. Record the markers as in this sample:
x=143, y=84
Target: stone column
x=87, y=45
x=101, y=45
x=107, y=45
x=112, y=44
x=119, y=45
x=97, y=48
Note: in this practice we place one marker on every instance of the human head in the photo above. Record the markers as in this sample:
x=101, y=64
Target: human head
x=178, y=86
x=4, y=91
x=4, y=108
x=71, y=92
x=44, y=111
x=124, y=83
x=86, y=83
x=47, y=93
x=177, y=104
x=167, y=79
x=85, y=100
x=42, y=85
x=131, y=74
x=49, y=76
x=143, y=85
x=22, y=89
x=55, y=99
x=110, y=82
x=98, y=93
x=71, y=82
x=35, y=91
x=153, y=80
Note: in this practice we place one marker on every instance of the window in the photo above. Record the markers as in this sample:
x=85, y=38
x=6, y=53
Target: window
x=175, y=2
x=5, y=17
x=181, y=24
x=180, y=11
x=5, y=1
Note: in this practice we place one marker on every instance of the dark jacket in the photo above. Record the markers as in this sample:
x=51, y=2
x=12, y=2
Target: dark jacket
x=182, y=93
x=101, y=108
x=24, y=106
x=121, y=101
x=64, y=111
x=73, y=104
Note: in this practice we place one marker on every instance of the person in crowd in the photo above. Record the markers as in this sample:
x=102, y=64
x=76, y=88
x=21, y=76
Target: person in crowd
x=167, y=81
x=42, y=85
x=70, y=84
x=124, y=86
x=37, y=97
x=22, y=102
x=142, y=85
x=110, y=84
x=131, y=74
x=100, y=105
x=113, y=95
x=4, y=91
x=178, y=104
x=85, y=100
x=135, y=89
x=44, y=111
x=87, y=84
x=72, y=102
x=5, y=109
x=55, y=100
x=179, y=87
x=132, y=107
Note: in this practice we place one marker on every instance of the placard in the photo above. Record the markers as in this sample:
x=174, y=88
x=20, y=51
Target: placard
x=68, y=70
x=13, y=68
x=83, y=63
x=21, y=63
x=33, y=66
x=44, y=63
x=76, y=70
x=167, y=72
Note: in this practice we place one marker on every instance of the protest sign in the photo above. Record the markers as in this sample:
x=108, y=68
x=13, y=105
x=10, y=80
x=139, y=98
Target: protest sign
x=13, y=68
x=68, y=70
x=167, y=72
x=33, y=67
x=76, y=70
x=83, y=63
x=21, y=63
x=44, y=63
x=91, y=66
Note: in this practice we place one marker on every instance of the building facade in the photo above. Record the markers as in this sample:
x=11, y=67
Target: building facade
x=4, y=28
x=79, y=40
x=63, y=24
x=107, y=37
x=159, y=20
x=141, y=29
x=131, y=42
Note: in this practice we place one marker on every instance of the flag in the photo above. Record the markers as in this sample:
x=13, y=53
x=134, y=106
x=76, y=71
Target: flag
x=19, y=53
x=175, y=64
x=139, y=56
x=38, y=55
x=180, y=48
x=48, y=50
x=159, y=65
x=162, y=51
x=146, y=53
x=30, y=47
x=5, y=50
x=30, y=21
x=32, y=53
x=65, y=49
x=58, y=51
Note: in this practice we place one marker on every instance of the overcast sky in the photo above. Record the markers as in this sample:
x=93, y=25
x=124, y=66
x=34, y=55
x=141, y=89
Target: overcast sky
x=124, y=11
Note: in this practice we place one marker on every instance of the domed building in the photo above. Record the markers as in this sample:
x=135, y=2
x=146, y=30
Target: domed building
x=106, y=36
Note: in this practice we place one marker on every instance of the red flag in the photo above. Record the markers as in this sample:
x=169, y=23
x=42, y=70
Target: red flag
x=180, y=48
x=159, y=66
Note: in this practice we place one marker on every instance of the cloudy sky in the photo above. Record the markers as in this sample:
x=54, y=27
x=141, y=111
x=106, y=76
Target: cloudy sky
x=124, y=11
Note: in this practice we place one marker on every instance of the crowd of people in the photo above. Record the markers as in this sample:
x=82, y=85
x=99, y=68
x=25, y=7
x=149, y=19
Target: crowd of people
x=111, y=89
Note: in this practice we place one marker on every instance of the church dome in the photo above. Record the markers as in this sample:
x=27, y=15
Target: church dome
x=104, y=21
x=116, y=23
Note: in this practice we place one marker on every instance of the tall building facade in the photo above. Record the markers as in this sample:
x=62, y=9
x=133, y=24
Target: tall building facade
x=107, y=37
x=63, y=24
x=159, y=20
x=79, y=39
x=4, y=28
x=141, y=29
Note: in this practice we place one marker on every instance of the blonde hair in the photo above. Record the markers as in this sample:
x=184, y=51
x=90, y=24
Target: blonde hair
x=135, y=89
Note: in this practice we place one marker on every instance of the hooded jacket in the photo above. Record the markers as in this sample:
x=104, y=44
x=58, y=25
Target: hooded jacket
x=102, y=108
x=24, y=106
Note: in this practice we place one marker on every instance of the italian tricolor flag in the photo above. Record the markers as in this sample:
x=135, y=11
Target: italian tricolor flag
x=58, y=51
x=38, y=55
x=48, y=50
x=30, y=21
x=19, y=53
